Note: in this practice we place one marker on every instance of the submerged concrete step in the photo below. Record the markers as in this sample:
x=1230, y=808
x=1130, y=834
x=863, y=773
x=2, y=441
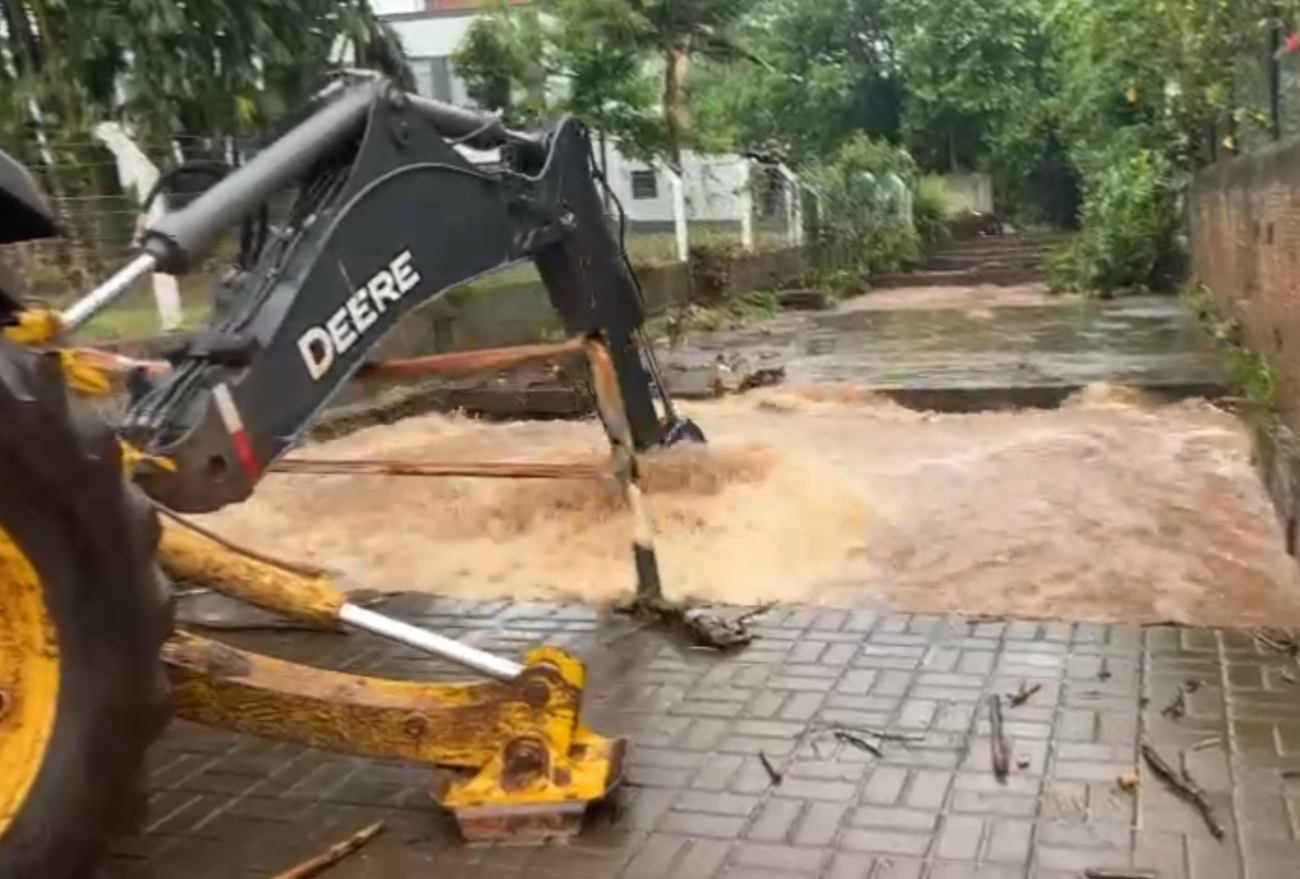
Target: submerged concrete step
x=954, y=262
x=1021, y=239
x=1014, y=250
x=999, y=276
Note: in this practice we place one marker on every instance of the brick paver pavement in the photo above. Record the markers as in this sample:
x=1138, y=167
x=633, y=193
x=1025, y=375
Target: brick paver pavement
x=700, y=804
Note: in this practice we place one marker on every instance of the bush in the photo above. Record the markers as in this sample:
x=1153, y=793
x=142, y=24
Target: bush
x=1131, y=228
x=857, y=226
x=930, y=211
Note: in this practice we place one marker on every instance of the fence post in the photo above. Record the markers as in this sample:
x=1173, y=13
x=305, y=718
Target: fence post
x=793, y=204
x=906, y=214
x=679, y=213
x=136, y=171
x=747, y=206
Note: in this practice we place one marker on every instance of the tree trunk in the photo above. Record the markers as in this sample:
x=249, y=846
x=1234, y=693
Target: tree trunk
x=677, y=108
x=27, y=48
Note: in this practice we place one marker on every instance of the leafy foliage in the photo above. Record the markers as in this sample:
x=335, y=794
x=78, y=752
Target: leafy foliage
x=599, y=59
x=167, y=67
x=557, y=58
x=830, y=74
x=929, y=212
x=858, y=227
x=1131, y=238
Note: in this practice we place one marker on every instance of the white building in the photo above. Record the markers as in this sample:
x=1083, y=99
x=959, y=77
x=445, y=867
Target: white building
x=432, y=30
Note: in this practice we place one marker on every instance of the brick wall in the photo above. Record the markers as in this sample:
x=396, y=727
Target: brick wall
x=1245, y=242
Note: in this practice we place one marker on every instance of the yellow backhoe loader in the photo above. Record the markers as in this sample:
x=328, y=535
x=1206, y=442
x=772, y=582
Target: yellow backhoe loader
x=386, y=214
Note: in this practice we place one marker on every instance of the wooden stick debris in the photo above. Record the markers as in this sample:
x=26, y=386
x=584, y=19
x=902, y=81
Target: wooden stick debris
x=468, y=470
x=1267, y=640
x=334, y=854
x=1023, y=695
x=999, y=746
x=880, y=734
x=1177, y=706
x=1107, y=873
x=858, y=742
x=1211, y=742
x=772, y=772
x=1184, y=786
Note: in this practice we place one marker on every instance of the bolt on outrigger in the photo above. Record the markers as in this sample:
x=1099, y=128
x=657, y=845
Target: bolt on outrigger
x=388, y=215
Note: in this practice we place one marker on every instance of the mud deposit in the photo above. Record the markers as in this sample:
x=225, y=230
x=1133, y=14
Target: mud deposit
x=1107, y=509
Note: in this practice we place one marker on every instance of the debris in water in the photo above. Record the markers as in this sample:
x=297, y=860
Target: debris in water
x=702, y=627
x=1023, y=695
x=1000, y=747
x=1185, y=786
x=1212, y=741
x=334, y=854
x=1108, y=873
x=1285, y=645
x=1177, y=706
x=1129, y=781
x=1103, y=673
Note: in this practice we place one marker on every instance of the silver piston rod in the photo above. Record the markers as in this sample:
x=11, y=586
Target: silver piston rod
x=429, y=642
x=85, y=308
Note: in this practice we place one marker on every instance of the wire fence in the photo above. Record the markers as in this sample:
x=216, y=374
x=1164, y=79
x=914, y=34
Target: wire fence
x=1267, y=94
x=718, y=204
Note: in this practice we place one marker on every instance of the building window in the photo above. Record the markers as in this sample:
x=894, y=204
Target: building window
x=433, y=78
x=645, y=185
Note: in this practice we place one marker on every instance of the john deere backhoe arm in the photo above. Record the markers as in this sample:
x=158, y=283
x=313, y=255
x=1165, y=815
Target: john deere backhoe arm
x=388, y=216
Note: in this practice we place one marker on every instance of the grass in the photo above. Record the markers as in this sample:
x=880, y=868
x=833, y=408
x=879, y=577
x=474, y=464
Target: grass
x=1249, y=372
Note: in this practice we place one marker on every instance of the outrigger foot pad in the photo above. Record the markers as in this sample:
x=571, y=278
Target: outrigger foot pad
x=526, y=798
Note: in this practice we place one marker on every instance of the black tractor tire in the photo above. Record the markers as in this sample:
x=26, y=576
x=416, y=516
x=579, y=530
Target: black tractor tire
x=92, y=537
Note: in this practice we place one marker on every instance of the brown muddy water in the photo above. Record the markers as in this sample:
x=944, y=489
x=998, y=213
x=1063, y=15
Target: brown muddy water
x=1107, y=509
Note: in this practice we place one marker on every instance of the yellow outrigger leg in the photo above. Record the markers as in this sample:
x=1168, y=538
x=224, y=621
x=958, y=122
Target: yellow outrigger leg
x=29, y=678
x=513, y=762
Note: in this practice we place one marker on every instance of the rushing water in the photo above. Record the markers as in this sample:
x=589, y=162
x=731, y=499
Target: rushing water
x=1106, y=509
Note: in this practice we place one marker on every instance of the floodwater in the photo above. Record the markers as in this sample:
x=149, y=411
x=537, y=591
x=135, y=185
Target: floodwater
x=1107, y=509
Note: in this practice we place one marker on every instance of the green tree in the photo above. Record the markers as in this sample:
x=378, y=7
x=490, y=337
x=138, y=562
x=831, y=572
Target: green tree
x=166, y=66
x=553, y=59
x=968, y=66
x=600, y=55
x=830, y=74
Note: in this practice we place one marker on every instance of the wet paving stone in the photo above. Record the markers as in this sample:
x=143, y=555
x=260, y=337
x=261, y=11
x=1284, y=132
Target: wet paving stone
x=702, y=806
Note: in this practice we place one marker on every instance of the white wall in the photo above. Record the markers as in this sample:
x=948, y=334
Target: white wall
x=429, y=42
x=434, y=35
x=713, y=187
x=396, y=7
x=968, y=192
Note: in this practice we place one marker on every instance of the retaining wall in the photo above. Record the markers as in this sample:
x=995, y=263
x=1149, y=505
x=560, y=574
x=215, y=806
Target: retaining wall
x=1244, y=218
